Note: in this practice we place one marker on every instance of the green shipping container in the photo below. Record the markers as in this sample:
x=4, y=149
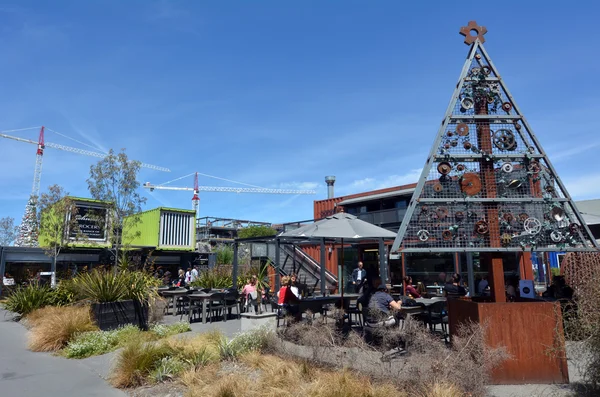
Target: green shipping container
x=162, y=228
x=92, y=217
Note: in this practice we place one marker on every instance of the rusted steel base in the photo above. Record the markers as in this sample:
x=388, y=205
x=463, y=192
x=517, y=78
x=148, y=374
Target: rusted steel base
x=532, y=333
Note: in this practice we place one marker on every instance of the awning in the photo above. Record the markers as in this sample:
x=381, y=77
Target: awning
x=404, y=192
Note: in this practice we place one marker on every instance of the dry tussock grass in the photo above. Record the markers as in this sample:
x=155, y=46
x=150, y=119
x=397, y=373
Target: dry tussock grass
x=271, y=376
x=53, y=327
x=429, y=367
x=135, y=362
x=189, y=345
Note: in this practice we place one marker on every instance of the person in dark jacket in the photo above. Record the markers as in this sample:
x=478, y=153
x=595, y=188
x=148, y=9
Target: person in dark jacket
x=359, y=276
x=453, y=288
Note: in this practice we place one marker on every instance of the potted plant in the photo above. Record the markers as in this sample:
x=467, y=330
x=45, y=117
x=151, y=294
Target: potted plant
x=117, y=298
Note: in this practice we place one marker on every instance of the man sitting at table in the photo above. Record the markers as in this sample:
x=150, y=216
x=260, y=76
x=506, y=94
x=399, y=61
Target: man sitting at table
x=380, y=307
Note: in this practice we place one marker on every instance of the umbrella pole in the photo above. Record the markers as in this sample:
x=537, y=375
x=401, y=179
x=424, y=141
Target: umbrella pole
x=341, y=278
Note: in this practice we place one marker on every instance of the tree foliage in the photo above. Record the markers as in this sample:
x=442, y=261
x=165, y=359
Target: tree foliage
x=58, y=222
x=256, y=231
x=114, y=180
x=8, y=231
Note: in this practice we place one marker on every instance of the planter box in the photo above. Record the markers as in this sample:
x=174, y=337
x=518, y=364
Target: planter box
x=531, y=331
x=112, y=315
x=252, y=321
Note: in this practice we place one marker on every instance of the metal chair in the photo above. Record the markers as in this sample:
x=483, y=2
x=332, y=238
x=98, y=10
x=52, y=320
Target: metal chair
x=438, y=314
x=231, y=300
x=216, y=304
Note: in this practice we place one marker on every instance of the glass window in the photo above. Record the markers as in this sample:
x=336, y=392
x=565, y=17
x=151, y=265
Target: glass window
x=401, y=204
x=427, y=267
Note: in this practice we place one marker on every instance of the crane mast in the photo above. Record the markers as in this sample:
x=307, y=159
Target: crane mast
x=27, y=235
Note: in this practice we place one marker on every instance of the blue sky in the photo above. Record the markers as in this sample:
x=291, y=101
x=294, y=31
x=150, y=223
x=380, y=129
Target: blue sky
x=280, y=94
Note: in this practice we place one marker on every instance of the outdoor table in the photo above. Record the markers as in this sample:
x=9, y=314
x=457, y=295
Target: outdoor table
x=315, y=304
x=204, y=297
x=174, y=294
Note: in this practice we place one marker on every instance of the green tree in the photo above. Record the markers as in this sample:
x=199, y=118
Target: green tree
x=58, y=224
x=8, y=231
x=114, y=180
x=256, y=231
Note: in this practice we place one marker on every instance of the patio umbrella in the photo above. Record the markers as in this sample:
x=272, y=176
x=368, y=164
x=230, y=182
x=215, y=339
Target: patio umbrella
x=341, y=226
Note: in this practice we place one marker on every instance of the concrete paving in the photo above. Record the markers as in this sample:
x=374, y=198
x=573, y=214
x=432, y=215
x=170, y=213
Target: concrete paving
x=27, y=374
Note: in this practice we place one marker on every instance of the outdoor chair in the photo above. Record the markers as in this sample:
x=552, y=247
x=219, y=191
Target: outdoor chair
x=438, y=314
x=355, y=310
x=181, y=303
x=217, y=304
x=251, y=302
x=194, y=307
x=231, y=300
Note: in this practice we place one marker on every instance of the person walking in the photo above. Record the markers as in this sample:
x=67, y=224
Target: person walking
x=359, y=276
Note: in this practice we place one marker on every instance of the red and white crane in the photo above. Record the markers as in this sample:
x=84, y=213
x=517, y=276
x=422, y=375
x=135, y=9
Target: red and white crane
x=41, y=145
x=196, y=189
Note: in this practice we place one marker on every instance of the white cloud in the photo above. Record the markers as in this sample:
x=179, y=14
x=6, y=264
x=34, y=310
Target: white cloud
x=561, y=154
x=583, y=187
x=370, y=183
x=299, y=185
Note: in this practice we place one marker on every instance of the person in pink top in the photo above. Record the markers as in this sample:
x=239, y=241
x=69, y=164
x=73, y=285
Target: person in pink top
x=250, y=294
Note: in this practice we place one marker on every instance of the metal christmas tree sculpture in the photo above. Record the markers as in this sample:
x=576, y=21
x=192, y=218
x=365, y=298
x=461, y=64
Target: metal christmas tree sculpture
x=28, y=230
x=488, y=185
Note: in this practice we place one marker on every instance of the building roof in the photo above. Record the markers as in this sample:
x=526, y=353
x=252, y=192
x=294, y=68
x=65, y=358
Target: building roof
x=403, y=192
x=590, y=210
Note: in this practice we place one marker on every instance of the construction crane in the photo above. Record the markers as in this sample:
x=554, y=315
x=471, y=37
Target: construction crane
x=196, y=189
x=41, y=145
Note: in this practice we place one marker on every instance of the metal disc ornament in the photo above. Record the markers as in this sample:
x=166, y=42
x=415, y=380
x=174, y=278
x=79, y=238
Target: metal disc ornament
x=460, y=168
x=505, y=140
x=444, y=168
x=507, y=167
x=442, y=212
x=486, y=70
x=482, y=228
x=466, y=104
x=470, y=184
x=447, y=235
x=423, y=235
x=507, y=106
x=438, y=187
x=532, y=226
x=462, y=129
x=556, y=236
x=506, y=239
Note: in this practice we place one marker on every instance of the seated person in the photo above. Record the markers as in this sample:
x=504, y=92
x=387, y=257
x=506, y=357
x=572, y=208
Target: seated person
x=409, y=290
x=453, y=288
x=286, y=298
x=380, y=306
x=250, y=294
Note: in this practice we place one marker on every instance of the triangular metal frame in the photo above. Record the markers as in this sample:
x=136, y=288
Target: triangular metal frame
x=579, y=233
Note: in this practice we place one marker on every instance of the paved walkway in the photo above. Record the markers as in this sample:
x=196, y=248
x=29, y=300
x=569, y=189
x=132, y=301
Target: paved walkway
x=27, y=374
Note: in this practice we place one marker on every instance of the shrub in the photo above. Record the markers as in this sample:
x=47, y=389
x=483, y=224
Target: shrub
x=25, y=300
x=100, y=342
x=167, y=369
x=58, y=326
x=224, y=254
x=102, y=285
x=137, y=360
x=63, y=294
x=163, y=330
x=217, y=277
